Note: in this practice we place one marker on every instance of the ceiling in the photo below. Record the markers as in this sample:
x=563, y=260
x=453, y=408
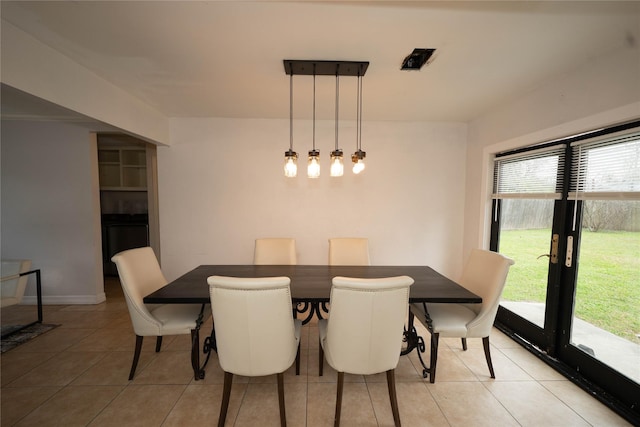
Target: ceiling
x=225, y=58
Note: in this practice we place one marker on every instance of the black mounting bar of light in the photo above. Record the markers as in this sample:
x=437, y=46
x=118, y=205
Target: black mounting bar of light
x=325, y=68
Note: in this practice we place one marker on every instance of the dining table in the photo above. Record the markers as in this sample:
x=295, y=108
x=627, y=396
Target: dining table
x=310, y=294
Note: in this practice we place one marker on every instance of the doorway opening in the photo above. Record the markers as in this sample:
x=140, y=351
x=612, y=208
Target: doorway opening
x=127, y=196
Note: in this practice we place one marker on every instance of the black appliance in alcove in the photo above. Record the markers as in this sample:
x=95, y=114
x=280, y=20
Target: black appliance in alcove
x=121, y=232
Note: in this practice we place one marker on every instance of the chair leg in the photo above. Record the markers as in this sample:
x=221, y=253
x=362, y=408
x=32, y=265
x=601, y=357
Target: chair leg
x=198, y=374
x=283, y=415
x=158, y=343
x=136, y=356
x=464, y=344
x=434, y=357
x=320, y=359
x=298, y=360
x=391, y=383
x=336, y=422
x=226, y=394
x=487, y=355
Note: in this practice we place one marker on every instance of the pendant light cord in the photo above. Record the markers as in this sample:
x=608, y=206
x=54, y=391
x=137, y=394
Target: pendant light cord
x=314, y=107
x=291, y=112
x=359, y=118
x=337, y=103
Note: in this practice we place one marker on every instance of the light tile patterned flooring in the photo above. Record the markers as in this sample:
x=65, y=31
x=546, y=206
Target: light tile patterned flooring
x=76, y=375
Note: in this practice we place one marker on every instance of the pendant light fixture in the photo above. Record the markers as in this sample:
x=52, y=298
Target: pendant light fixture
x=290, y=156
x=337, y=165
x=325, y=68
x=313, y=163
x=358, y=157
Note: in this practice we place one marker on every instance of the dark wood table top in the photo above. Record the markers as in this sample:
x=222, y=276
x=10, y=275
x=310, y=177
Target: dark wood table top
x=312, y=283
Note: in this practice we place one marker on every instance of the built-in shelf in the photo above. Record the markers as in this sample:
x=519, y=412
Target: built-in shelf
x=122, y=169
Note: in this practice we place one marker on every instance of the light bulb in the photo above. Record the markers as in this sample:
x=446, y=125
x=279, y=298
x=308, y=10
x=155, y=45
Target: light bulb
x=290, y=164
x=358, y=161
x=313, y=164
x=290, y=168
x=337, y=167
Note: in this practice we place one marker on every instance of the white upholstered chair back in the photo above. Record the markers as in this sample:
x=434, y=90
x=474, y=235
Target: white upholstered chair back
x=140, y=275
x=255, y=330
x=275, y=251
x=485, y=274
x=349, y=251
x=365, y=328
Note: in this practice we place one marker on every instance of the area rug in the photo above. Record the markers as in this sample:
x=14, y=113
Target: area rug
x=22, y=336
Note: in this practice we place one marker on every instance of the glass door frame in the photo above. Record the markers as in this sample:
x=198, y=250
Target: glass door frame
x=553, y=341
x=542, y=337
x=604, y=382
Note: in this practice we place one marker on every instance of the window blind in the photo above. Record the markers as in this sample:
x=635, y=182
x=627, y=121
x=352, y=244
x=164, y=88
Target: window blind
x=606, y=169
x=532, y=174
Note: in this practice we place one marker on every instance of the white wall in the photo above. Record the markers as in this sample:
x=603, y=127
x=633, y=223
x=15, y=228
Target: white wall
x=604, y=92
x=222, y=185
x=50, y=211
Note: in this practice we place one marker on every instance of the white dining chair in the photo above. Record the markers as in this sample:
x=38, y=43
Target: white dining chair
x=485, y=274
x=140, y=275
x=256, y=333
x=364, y=332
x=275, y=251
x=349, y=251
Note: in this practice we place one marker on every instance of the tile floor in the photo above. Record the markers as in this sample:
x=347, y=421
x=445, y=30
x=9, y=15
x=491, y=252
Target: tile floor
x=77, y=375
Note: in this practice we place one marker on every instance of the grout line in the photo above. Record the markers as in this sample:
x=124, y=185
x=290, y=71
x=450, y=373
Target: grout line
x=500, y=403
x=108, y=404
x=174, y=404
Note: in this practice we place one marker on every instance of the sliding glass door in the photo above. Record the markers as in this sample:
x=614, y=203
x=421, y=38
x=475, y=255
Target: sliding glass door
x=601, y=337
x=569, y=214
x=527, y=194
x=605, y=321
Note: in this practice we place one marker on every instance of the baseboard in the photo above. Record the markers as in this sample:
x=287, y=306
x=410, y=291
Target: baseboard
x=65, y=299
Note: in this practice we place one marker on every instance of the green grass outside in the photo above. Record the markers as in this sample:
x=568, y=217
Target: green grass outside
x=608, y=291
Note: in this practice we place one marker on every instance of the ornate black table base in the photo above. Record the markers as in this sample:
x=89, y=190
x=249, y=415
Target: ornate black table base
x=414, y=341
x=209, y=344
x=319, y=309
